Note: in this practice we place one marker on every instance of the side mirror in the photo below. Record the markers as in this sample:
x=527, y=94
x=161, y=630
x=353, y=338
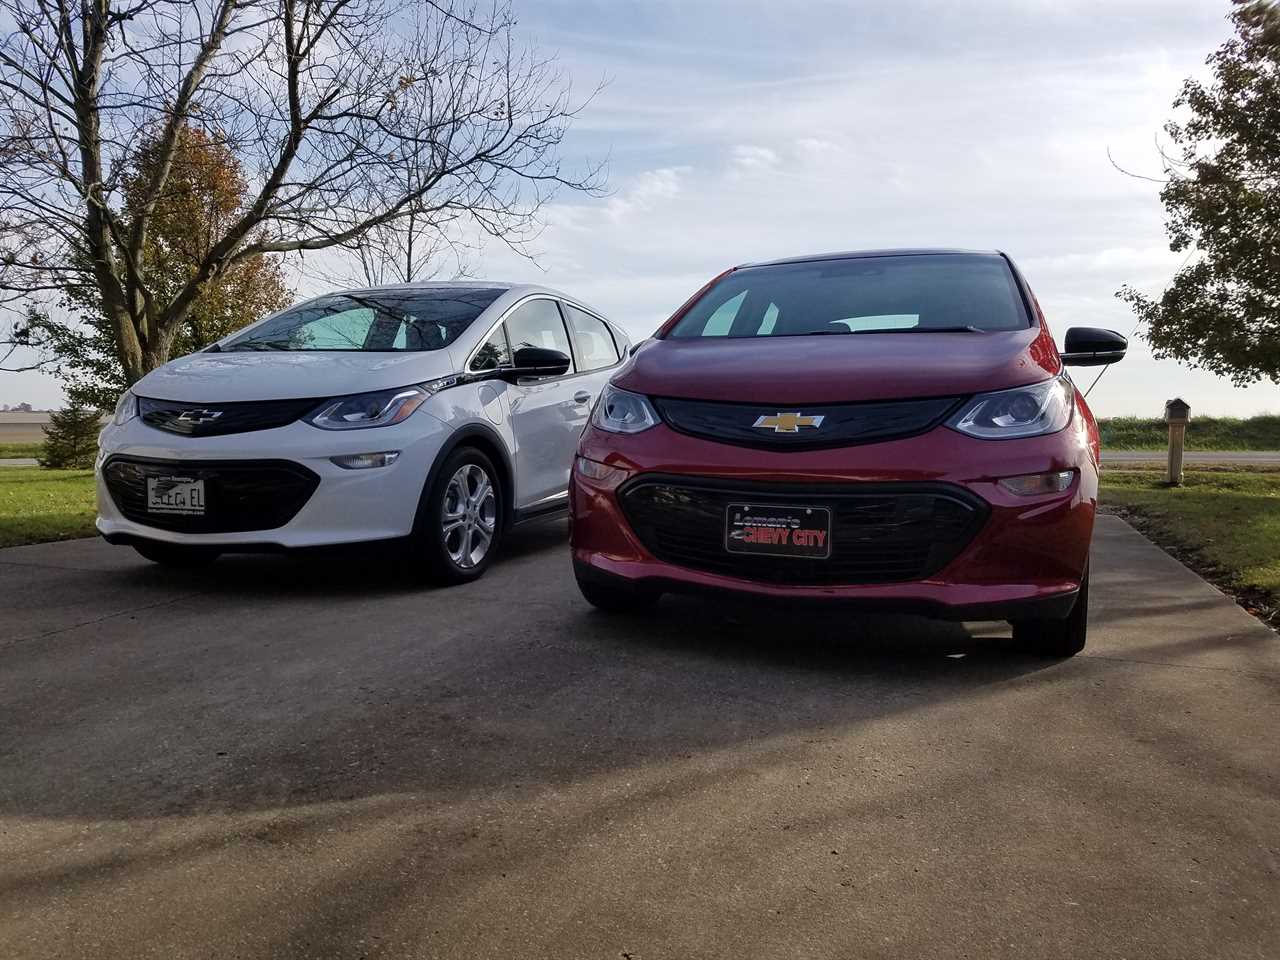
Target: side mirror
x=1093, y=347
x=535, y=362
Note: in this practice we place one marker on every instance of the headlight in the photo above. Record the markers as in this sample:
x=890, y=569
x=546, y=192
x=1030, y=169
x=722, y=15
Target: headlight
x=1029, y=411
x=620, y=411
x=381, y=408
x=126, y=408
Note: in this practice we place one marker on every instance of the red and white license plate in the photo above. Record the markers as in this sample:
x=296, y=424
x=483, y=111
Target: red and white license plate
x=778, y=531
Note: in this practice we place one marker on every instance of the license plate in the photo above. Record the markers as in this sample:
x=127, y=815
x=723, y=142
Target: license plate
x=777, y=531
x=175, y=495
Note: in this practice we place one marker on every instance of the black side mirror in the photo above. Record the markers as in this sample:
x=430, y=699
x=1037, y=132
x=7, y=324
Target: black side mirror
x=1093, y=347
x=535, y=362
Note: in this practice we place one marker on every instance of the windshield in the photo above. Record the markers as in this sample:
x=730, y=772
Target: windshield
x=964, y=292
x=388, y=320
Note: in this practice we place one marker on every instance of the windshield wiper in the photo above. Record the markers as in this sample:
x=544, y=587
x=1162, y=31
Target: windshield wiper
x=259, y=345
x=967, y=328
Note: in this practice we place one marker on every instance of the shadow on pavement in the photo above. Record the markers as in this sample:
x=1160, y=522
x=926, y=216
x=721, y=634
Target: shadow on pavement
x=283, y=683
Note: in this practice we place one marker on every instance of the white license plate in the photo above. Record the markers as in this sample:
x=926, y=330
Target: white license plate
x=175, y=495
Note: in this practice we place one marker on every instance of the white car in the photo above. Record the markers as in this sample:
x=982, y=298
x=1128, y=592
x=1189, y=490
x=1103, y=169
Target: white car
x=434, y=414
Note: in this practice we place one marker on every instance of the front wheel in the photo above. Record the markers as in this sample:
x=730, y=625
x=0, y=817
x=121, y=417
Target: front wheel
x=460, y=519
x=176, y=554
x=1057, y=638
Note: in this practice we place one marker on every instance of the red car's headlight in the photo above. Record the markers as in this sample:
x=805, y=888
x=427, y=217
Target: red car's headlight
x=1029, y=411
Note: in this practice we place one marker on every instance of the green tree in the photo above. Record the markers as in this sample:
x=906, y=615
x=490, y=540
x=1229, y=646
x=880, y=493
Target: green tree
x=205, y=191
x=71, y=439
x=350, y=117
x=1222, y=310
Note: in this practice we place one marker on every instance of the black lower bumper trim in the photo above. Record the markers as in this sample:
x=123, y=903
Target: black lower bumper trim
x=1056, y=607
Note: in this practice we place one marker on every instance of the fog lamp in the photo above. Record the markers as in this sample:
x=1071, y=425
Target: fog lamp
x=366, y=461
x=1031, y=484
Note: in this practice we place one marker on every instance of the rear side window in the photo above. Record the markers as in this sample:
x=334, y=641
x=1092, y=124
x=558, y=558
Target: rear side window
x=591, y=338
x=861, y=294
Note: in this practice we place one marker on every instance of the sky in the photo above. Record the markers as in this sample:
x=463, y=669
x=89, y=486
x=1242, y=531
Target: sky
x=741, y=130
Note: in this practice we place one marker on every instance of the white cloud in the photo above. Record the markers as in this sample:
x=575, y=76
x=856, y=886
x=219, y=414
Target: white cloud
x=644, y=192
x=750, y=159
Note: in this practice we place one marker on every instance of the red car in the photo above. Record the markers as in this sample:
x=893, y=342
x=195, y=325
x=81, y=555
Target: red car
x=893, y=428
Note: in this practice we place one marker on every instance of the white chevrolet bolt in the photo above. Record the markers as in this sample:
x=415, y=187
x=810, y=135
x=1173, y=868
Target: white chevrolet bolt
x=437, y=415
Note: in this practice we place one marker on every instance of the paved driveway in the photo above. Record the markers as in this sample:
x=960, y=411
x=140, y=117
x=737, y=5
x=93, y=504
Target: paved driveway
x=273, y=759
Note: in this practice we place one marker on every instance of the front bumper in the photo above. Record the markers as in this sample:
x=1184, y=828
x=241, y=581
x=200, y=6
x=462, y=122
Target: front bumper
x=346, y=506
x=1026, y=558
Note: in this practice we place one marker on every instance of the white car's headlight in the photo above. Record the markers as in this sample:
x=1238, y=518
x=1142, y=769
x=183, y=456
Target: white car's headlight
x=1029, y=411
x=381, y=408
x=126, y=408
x=620, y=411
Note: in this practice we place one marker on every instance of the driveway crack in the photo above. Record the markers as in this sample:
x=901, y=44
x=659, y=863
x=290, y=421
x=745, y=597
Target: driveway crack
x=102, y=619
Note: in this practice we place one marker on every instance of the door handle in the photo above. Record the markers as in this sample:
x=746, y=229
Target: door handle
x=582, y=397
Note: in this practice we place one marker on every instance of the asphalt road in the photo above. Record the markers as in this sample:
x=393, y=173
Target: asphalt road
x=274, y=759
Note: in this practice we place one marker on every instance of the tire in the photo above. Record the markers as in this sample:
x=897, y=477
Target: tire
x=176, y=554
x=464, y=506
x=1057, y=638
x=617, y=598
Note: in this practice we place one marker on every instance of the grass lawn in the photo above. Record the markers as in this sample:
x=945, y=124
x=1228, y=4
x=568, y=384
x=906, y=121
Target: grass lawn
x=16, y=450
x=38, y=505
x=1203, y=433
x=1224, y=522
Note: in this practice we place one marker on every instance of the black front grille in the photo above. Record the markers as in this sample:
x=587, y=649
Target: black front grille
x=880, y=533
x=805, y=426
x=240, y=495
x=216, y=419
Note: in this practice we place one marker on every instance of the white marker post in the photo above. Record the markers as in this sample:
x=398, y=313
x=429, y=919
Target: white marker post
x=1177, y=413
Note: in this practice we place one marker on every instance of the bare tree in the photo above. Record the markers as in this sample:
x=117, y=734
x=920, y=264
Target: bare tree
x=350, y=116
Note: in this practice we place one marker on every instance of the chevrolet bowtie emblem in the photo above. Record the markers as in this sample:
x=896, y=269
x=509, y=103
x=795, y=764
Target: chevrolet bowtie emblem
x=199, y=416
x=787, y=422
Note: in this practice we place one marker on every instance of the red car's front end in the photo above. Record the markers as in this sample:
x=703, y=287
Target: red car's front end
x=943, y=468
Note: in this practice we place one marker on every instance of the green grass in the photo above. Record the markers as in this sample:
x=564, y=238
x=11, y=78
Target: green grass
x=16, y=450
x=1203, y=433
x=39, y=505
x=1225, y=522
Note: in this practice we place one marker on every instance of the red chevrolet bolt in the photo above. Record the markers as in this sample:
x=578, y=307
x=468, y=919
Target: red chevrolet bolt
x=891, y=428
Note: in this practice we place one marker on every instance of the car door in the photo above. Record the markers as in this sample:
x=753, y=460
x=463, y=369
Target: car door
x=548, y=414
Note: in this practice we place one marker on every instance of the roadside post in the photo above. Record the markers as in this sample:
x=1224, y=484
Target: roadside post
x=1177, y=413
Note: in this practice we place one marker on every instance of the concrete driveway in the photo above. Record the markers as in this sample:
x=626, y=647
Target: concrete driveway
x=275, y=759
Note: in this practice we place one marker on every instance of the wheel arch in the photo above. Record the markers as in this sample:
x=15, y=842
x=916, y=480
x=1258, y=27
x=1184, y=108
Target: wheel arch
x=490, y=443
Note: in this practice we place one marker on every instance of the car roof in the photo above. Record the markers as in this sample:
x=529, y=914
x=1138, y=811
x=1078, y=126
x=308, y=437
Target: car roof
x=892, y=252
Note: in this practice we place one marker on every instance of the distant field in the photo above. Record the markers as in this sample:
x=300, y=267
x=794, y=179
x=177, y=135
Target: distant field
x=1203, y=433
x=38, y=505
x=15, y=450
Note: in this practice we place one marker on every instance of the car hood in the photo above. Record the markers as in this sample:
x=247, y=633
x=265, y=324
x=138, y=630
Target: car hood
x=227, y=377
x=840, y=369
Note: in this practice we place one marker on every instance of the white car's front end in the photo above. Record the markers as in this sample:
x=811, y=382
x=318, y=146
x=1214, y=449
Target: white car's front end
x=258, y=445
x=289, y=486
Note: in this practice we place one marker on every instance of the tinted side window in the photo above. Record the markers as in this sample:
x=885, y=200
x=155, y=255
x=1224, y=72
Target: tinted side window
x=537, y=323
x=592, y=339
x=493, y=353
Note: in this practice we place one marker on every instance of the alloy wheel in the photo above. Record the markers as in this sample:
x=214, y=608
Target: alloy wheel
x=468, y=515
